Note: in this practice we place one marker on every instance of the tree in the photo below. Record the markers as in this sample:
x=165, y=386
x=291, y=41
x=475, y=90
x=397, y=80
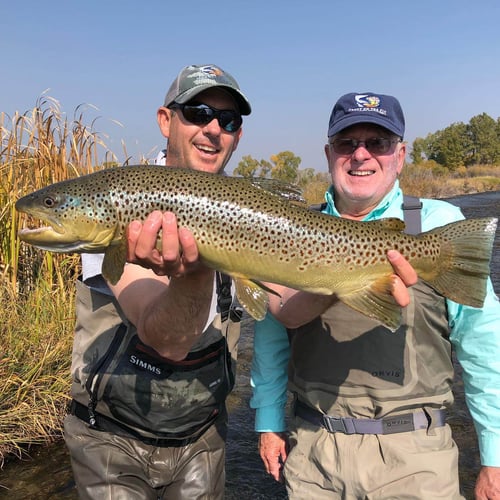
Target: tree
x=454, y=146
x=418, y=149
x=459, y=144
x=247, y=167
x=449, y=147
x=286, y=166
x=305, y=177
x=485, y=147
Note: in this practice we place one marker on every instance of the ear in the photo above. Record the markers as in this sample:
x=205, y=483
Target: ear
x=237, y=138
x=401, y=156
x=164, y=118
x=327, y=152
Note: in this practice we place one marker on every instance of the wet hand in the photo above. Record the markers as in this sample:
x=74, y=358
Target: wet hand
x=178, y=254
x=273, y=450
x=488, y=484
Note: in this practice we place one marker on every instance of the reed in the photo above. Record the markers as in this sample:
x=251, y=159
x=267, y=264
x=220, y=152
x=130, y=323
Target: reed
x=38, y=147
x=430, y=180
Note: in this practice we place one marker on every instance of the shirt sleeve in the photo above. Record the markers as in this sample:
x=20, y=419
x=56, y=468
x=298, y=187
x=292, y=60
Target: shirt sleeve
x=269, y=374
x=475, y=335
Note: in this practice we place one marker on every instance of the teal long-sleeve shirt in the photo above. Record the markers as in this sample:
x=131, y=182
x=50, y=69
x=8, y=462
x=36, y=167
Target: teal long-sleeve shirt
x=475, y=336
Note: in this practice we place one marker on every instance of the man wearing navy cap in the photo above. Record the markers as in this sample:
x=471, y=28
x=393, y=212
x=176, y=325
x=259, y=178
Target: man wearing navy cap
x=369, y=413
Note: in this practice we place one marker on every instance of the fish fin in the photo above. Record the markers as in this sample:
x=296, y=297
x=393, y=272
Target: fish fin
x=279, y=188
x=114, y=262
x=376, y=301
x=463, y=266
x=253, y=297
x=390, y=223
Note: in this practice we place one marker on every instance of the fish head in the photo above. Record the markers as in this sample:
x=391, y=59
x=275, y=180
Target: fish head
x=76, y=219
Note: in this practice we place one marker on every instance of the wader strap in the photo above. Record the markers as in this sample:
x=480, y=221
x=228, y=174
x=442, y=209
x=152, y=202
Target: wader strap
x=224, y=298
x=405, y=422
x=412, y=208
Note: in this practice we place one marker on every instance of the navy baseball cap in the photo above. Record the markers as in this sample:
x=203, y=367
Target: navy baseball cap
x=196, y=78
x=367, y=107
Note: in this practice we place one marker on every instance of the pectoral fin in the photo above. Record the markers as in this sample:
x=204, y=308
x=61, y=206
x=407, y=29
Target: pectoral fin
x=114, y=262
x=376, y=301
x=253, y=297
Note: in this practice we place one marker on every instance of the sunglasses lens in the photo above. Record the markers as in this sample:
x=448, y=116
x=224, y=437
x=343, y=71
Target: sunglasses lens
x=374, y=145
x=230, y=121
x=198, y=115
x=344, y=146
x=202, y=114
x=378, y=145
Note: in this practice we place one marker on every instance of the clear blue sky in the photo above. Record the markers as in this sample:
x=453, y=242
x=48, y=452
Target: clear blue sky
x=292, y=58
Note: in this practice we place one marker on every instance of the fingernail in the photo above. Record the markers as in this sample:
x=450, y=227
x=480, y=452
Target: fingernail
x=169, y=217
x=134, y=226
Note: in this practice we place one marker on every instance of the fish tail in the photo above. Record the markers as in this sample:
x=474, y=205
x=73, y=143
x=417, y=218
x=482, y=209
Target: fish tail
x=463, y=265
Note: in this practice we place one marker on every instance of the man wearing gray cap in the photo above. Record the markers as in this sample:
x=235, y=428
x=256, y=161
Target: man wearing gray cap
x=152, y=358
x=369, y=415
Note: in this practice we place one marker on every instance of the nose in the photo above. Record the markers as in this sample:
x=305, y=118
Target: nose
x=212, y=128
x=361, y=153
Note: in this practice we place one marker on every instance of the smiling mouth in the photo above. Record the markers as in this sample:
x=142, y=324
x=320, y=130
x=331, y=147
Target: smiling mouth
x=206, y=149
x=361, y=173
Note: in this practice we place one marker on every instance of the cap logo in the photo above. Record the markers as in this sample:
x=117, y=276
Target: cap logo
x=208, y=74
x=211, y=70
x=367, y=101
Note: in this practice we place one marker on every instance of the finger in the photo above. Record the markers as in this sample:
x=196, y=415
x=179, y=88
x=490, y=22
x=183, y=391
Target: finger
x=188, y=244
x=133, y=232
x=170, y=239
x=402, y=268
x=145, y=245
x=400, y=291
x=276, y=473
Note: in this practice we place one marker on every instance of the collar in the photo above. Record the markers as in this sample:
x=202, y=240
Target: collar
x=394, y=198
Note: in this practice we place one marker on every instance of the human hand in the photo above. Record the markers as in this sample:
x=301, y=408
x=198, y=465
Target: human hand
x=488, y=484
x=178, y=254
x=273, y=450
x=404, y=277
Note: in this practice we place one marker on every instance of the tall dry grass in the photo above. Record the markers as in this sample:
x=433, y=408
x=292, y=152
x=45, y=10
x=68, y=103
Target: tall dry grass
x=38, y=147
x=430, y=180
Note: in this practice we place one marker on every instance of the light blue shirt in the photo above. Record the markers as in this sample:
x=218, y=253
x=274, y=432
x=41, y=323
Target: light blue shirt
x=475, y=336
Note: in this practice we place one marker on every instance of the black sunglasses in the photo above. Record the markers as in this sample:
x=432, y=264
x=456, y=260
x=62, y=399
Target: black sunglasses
x=374, y=145
x=201, y=114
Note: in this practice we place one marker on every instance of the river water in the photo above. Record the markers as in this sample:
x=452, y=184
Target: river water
x=47, y=475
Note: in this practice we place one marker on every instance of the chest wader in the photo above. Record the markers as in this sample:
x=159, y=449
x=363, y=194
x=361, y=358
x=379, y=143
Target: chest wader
x=373, y=381
x=123, y=386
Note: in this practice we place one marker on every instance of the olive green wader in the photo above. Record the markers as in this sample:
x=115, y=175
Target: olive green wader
x=369, y=412
x=369, y=419
x=142, y=426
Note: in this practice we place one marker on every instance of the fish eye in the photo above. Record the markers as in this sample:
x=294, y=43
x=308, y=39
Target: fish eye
x=49, y=202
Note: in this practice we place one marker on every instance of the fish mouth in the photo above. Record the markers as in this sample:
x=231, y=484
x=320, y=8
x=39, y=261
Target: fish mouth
x=52, y=238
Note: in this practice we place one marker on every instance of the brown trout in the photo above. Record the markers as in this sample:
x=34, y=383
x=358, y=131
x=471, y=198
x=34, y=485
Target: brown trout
x=257, y=236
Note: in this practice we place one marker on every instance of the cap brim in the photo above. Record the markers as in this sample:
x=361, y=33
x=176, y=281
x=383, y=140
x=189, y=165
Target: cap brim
x=368, y=117
x=243, y=104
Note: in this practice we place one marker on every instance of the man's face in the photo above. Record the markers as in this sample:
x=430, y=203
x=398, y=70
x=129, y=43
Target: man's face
x=362, y=178
x=201, y=147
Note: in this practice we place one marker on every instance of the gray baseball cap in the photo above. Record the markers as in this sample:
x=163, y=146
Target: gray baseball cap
x=194, y=79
